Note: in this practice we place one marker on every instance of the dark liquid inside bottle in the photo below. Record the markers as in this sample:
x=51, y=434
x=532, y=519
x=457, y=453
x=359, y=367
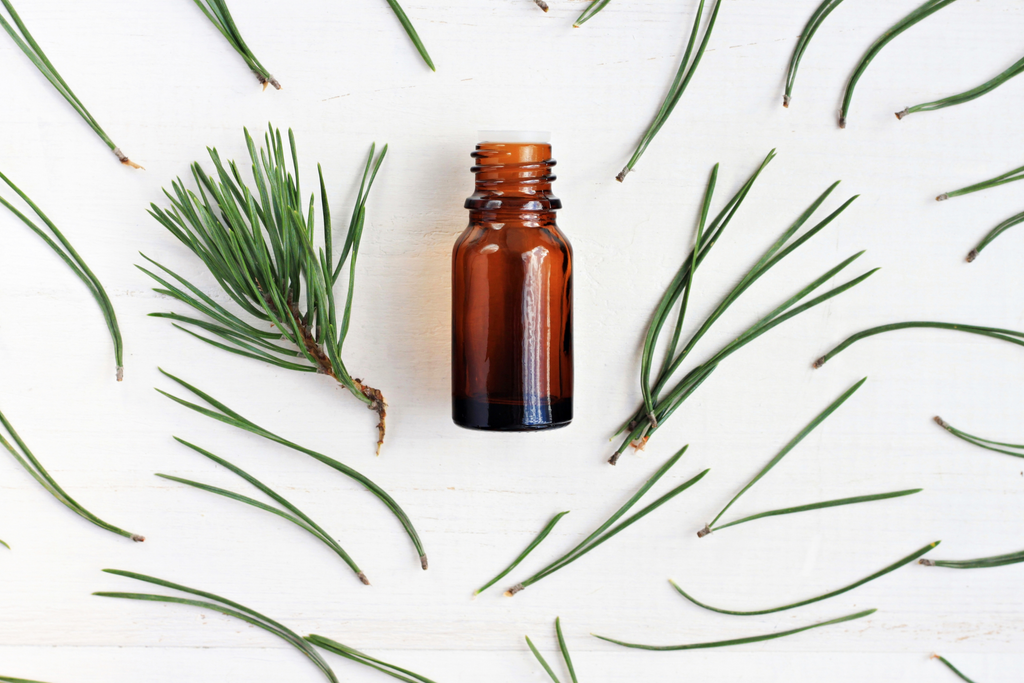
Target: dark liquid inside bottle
x=512, y=366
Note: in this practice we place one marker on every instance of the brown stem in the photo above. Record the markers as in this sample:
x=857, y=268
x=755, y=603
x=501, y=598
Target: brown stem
x=423, y=562
x=939, y=421
x=818, y=363
x=124, y=159
x=901, y=114
x=927, y=563
x=973, y=255
x=514, y=589
x=362, y=577
x=137, y=538
x=704, y=532
x=543, y=5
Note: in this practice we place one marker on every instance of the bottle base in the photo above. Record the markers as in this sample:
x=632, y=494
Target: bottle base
x=493, y=416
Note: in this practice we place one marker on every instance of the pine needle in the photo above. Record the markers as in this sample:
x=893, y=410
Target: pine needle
x=411, y=30
x=26, y=459
x=880, y=573
x=738, y=641
x=813, y=24
x=927, y=9
x=1017, y=452
x=523, y=555
x=19, y=33
x=224, y=414
x=686, y=71
x=4, y=544
x=8, y=679
x=993, y=332
x=1008, y=177
x=1016, y=219
x=592, y=9
x=974, y=93
x=979, y=563
x=817, y=506
x=366, y=660
x=258, y=245
x=220, y=16
x=78, y=266
x=952, y=668
x=224, y=606
x=290, y=512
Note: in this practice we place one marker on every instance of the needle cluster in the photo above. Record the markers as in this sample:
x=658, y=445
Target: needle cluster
x=259, y=246
x=565, y=654
x=813, y=24
x=220, y=16
x=974, y=93
x=1016, y=450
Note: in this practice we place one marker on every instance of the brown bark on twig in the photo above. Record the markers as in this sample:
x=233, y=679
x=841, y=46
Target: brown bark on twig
x=704, y=532
x=543, y=5
x=125, y=160
x=513, y=590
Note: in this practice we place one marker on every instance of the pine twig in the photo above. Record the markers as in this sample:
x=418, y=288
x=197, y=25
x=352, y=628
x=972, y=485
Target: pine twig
x=220, y=16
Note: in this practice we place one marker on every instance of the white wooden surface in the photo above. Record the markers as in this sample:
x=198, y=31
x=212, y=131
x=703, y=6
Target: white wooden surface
x=165, y=85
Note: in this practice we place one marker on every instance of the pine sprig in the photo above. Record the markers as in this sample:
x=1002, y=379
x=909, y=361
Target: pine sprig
x=226, y=415
x=927, y=9
x=813, y=24
x=28, y=460
x=220, y=16
x=21, y=36
x=738, y=641
x=1016, y=450
x=415, y=37
x=78, y=266
x=224, y=606
x=259, y=247
x=661, y=401
x=289, y=511
x=366, y=660
x=687, y=69
x=974, y=93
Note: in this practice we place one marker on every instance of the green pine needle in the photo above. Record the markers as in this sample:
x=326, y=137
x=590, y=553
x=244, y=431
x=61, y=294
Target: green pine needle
x=813, y=24
x=972, y=94
x=78, y=266
x=927, y=9
x=952, y=668
x=258, y=245
x=523, y=555
x=592, y=9
x=290, y=512
x=562, y=648
x=540, y=658
x=1008, y=177
x=1016, y=219
x=4, y=544
x=8, y=679
x=19, y=33
x=738, y=641
x=882, y=572
x=994, y=332
x=366, y=660
x=675, y=92
x=411, y=30
x=220, y=16
x=26, y=459
x=818, y=506
x=1017, y=449
x=979, y=563
x=811, y=426
x=224, y=606
x=224, y=414
x=660, y=401
x=605, y=532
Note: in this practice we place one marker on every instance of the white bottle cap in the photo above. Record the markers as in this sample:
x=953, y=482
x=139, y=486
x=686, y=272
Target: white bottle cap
x=541, y=137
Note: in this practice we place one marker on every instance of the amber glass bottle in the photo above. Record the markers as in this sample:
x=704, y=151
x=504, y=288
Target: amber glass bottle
x=512, y=367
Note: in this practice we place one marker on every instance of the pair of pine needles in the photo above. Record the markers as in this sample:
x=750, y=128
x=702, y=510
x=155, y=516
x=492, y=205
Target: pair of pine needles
x=1008, y=177
x=259, y=246
x=603, y=533
x=55, y=239
x=687, y=68
x=228, y=416
x=238, y=611
x=821, y=417
x=565, y=655
x=21, y=452
x=1016, y=450
x=659, y=400
x=20, y=34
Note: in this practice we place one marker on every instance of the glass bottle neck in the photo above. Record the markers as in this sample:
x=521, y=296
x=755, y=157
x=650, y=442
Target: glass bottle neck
x=513, y=182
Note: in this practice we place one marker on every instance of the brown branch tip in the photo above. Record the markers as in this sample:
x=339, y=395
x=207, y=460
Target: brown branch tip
x=622, y=174
x=901, y=114
x=543, y=5
x=125, y=160
x=818, y=363
x=120, y=373
x=614, y=459
x=927, y=563
x=939, y=421
x=513, y=590
x=785, y=101
x=842, y=122
x=704, y=532
x=973, y=255
x=942, y=197
x=362, y=577
x=423, y=562
x=379, y=406
x=137, y=538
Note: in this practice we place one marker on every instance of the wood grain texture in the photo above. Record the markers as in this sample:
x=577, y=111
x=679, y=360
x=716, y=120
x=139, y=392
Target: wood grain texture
x=165, y=85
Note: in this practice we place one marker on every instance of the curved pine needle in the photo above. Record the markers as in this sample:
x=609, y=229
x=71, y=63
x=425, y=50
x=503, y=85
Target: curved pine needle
x=952, y=668
x=811, y=426
x=77, y=265
x=605, y=532
x=224, y=606
x=26, y=459
x=927, y=9
x=978, y=563
x=366, y=660
x=1008, y=177
x=994, y=332
x=686, y=71
x=592, y=9
x=978, y=441
x=523, y=555
x=813, y=24
x=415, y=37
x=290, y=512
x=738, y=641
x=819, y=506
x=540, y=658
x=19, y=33
x=258, y=245
x=880, y=573
x=974, y=93
x=230, y=417
x=565, y=650
x=220, y=16
x=994, y=233
x=4, y=544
